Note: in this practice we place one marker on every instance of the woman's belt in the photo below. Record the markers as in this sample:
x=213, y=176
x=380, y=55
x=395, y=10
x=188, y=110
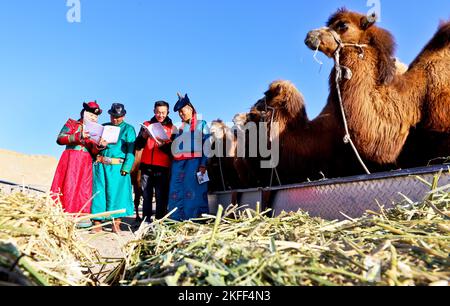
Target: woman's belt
x=110, y=160
x=77, y=148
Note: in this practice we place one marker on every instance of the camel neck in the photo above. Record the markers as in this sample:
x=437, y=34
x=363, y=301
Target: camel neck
x=363, y=91
x=379, y=116
x=288, y=121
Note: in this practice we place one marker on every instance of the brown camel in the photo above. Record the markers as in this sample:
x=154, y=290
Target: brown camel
x=381, y=107
x=244, y=166
x=308, y=149
x=221, y=168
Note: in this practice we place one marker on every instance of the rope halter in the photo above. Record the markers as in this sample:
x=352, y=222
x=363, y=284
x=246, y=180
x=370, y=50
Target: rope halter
x=348, y=74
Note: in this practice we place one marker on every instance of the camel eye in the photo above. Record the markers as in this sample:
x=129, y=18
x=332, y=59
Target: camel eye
x=341, y=26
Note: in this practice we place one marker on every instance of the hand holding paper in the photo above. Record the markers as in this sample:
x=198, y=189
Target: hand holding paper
x=96, y=132
x=157, y=132
x=202, y=178
x=93, y=130
x=85, y=134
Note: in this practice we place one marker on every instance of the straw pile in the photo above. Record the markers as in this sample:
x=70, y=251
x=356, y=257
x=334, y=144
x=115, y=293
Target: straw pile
x=408, y=245
x=39, y=244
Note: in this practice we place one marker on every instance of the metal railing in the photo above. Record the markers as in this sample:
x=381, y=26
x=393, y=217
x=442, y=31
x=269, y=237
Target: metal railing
x=331, y=199
x=10, y=187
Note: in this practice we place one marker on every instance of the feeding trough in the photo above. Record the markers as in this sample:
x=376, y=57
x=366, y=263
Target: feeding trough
x=337, y=198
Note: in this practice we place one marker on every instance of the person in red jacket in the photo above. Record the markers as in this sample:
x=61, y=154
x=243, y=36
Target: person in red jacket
x=156, y=162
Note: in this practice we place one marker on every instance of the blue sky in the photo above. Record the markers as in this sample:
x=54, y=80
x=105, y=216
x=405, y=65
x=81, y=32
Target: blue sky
x=223, y=53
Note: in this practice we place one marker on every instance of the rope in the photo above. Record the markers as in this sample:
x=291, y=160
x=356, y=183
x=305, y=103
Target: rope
x=316, y=59
x=338, y=69
x=274, y=169
x=221, y=174
x=220, y=159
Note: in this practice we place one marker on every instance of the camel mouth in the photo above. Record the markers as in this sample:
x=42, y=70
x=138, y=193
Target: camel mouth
x=312, y=40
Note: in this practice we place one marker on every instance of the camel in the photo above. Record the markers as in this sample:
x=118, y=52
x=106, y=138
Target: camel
x=381, y=106
x=221, y=168
x=240, y=119
x=244, y=166
x=309, y=149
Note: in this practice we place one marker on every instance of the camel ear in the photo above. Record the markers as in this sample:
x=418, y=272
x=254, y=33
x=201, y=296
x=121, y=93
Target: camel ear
x=276, y=90
x=368, y=21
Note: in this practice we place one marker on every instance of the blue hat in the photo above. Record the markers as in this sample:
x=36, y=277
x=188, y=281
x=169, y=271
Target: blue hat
x=182, y=102
x=117, y=110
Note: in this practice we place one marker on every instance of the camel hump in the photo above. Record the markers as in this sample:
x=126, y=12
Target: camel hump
x=442, y=37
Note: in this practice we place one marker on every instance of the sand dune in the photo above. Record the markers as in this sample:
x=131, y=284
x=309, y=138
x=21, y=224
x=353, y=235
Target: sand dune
x=34, y=170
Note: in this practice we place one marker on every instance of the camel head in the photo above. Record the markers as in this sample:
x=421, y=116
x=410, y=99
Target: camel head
x=283, y=98
x=240, y=119
x=258, y=112
x=220, y=132
x=346, y=29
x=345, y=26
x=218, y=129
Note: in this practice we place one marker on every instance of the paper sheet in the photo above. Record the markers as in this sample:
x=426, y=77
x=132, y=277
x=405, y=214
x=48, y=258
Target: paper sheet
x=111, y=134
x=202, y=178
x=95, y=130
x=157, y=132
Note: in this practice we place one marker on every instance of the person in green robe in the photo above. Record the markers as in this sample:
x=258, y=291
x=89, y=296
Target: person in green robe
x=112, y=188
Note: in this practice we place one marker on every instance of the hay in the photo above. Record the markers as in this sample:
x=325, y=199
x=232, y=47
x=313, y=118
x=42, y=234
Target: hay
x=39, y=244
x=408, y=245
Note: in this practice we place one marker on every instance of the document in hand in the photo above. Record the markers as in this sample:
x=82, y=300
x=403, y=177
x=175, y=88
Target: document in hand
x=156, y=130
x=111, y=134
x=202, y=178
x=97, y=131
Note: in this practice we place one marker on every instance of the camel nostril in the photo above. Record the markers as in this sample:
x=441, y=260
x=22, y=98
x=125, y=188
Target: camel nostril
x=312, y=41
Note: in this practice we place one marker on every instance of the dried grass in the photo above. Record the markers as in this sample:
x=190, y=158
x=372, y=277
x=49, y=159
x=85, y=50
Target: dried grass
x=408, y=245
x=40, y=245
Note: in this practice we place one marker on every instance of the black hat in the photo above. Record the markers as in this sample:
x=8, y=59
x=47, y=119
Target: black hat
x=92, y=107
x=182, y=102
x=117, y=110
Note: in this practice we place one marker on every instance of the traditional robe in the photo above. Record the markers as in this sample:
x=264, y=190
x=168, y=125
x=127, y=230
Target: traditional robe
x=186, y=194
x=112, y=191
x=72, y=182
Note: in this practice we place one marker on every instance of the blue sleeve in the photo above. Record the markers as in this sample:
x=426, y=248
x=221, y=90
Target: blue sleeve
x=129, y=145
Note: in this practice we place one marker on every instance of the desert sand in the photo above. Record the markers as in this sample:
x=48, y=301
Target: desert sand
x=33, y=170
